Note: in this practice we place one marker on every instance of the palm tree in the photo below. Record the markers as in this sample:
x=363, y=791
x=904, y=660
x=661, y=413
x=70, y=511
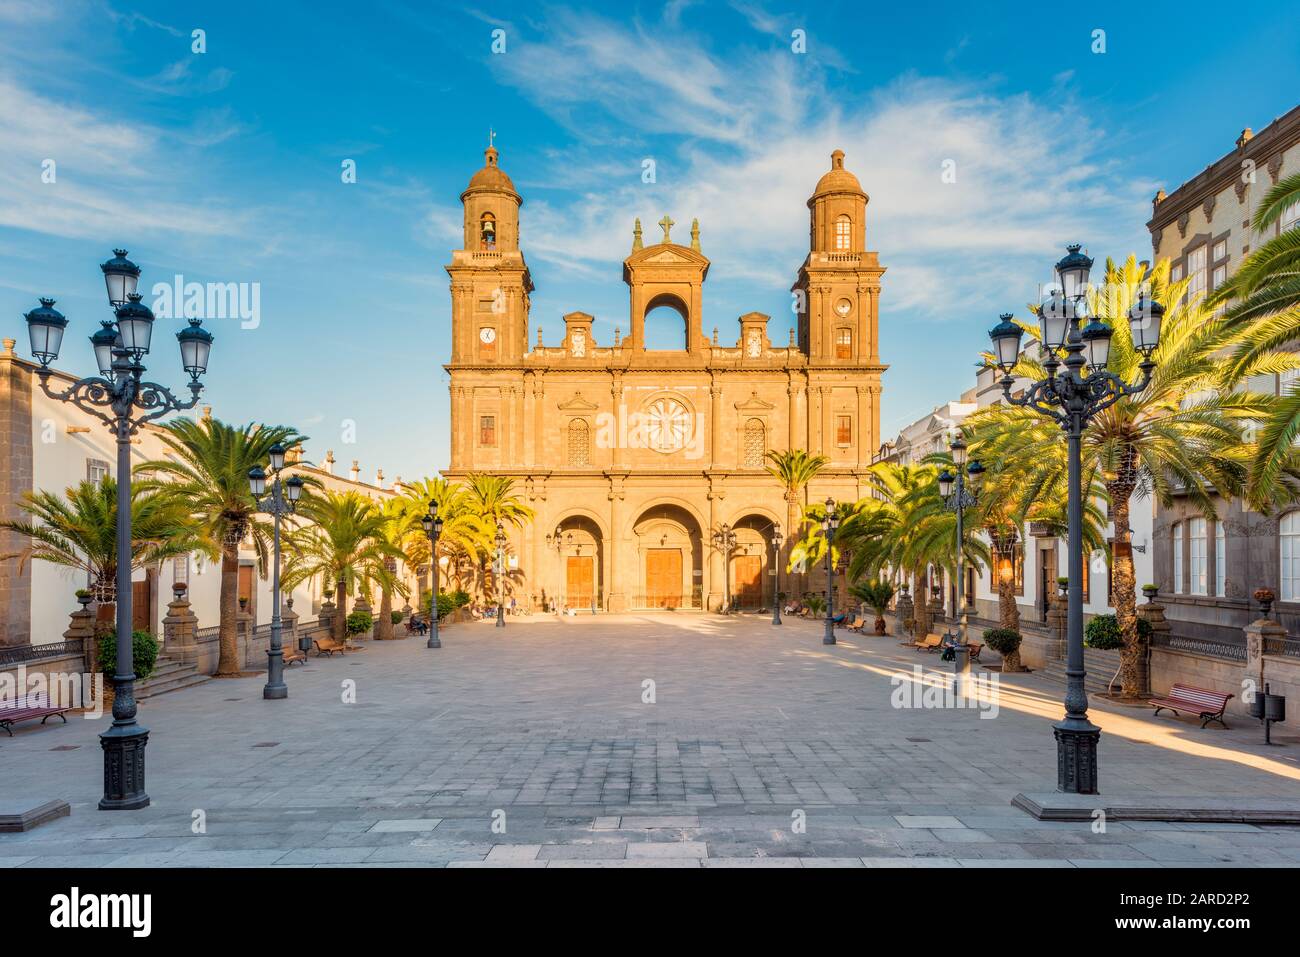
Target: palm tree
x=1261, y=301
x=794, y=469
x=345, y=545
x=1182, y=433
x=493, y=500
x=882, y=532
x=401, y=530
x=207, y=469
x=79, y=530
x=876, y=595
x=465, y=534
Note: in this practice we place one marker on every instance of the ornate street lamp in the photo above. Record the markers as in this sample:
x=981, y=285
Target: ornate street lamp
x=959, y=493
x=1071, y=399
x=432, y=525
x=283, y=501
x=500, y=575
x=776, y=573
x=120, y=399
x=725, y=539
x=557, y=539
x=829, y=524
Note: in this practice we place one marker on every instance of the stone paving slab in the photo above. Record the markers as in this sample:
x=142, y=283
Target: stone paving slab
x=534, y=748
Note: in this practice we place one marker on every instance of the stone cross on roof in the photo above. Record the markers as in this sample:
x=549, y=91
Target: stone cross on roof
x=666, y=224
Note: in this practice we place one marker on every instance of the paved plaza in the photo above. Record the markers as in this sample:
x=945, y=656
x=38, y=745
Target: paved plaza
x=633, y=740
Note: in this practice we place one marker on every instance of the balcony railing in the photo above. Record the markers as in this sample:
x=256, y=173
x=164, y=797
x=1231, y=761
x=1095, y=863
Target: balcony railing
x=55, y=649
x=1209, y=647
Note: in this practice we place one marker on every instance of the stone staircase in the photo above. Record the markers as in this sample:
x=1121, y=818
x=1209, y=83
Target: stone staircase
x=170, y=674
x=1100, y=665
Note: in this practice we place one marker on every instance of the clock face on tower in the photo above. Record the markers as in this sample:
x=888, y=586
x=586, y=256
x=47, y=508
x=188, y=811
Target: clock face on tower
x=487, y=335
x=844, y=307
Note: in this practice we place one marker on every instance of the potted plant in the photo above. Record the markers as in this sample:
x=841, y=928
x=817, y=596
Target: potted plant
x=359, y=624
x=144, y=656
x=1150, y=592
x=1265, y=597
x=1063, y=585
x=84, y=597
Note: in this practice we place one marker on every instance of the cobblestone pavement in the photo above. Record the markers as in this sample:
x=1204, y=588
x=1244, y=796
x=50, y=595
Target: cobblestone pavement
x=543, y=745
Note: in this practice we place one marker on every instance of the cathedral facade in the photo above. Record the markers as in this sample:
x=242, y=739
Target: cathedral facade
x=637, y=461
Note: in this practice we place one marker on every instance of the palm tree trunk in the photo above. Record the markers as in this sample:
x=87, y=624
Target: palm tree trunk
x=228, y=640
x=384, y=623
x=1123, y=596
x=1008, y=610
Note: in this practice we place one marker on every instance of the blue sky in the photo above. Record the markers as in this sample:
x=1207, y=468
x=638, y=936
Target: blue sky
x=225, y=166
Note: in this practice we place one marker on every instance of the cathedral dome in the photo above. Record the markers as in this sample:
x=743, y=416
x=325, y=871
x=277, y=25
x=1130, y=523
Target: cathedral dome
x=838, y=180
x=490, y=176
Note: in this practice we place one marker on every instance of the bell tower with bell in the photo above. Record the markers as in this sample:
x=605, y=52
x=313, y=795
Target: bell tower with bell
x=490, y=283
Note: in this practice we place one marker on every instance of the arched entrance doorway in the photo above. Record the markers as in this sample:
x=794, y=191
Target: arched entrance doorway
x=579, y=550
x=670, y=559
x=751, y=563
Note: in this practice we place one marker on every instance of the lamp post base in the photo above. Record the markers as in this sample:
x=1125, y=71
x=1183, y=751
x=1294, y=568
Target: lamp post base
x=433, y=642
x=1076, y=756
x=828, y=638
x=124, y=768
x=275, y=692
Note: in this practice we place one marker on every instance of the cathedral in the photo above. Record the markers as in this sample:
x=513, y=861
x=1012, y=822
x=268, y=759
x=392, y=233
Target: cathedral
x=645, y=466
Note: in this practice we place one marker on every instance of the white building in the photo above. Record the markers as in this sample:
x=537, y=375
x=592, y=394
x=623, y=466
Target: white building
x=50, y=445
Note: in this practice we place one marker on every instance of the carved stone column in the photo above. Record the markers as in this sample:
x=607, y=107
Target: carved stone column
x=1154, y=613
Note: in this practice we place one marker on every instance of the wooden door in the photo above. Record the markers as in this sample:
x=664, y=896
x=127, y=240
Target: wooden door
x=747, y=580
x=141, y=606
x=580, y=581
x=663, y=578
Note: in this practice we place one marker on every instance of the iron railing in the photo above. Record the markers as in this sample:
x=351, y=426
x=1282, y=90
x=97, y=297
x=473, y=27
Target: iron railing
x=55, y=649
x=1209, y=647
x=1283, y=647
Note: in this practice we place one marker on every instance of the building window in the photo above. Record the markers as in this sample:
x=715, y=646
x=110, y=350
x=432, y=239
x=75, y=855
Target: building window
x=843, y=343
x=487, y=430
x=1220, y=560
x=1197, y=559
x=579, y=443
x=1289, y=545
x=488, y=232
x=1018, y=569
x=1291, y=218
x=843, y=233
x=1220, y=250
x=1176, y=273
x=1196, y=271
x=1218, y=277
x=96, y=470
x=1178, y=558
x=755, y=436
x=843, y=430
x=1087, y=573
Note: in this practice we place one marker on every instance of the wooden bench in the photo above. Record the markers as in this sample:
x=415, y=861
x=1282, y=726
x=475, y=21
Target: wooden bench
x=294, y=656
x=1205, y=704
x=29, y=706
x=930, y=642
x=328, y=646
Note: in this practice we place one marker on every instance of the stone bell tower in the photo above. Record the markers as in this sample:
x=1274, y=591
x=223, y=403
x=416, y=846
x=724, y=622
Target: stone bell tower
x=490, y=283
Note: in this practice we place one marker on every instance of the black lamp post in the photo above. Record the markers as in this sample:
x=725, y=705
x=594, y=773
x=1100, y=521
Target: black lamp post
x=958, y=496
x=776, y=573
x=829, y=524
x=432, y=525
x=283, y=501
x=120, y=399
x=557, y=540
x=725, y=539
x=500, y=575
x=1071, y=398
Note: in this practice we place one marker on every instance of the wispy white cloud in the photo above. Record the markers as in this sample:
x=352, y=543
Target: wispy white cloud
x=739, y=141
